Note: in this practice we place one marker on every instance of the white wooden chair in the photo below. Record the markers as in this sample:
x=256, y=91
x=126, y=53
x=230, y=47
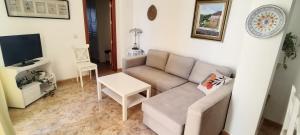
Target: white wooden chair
x=83, y=62
x=291, y=125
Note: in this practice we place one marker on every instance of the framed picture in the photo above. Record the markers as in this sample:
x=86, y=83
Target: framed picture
x=53, y=9
x=210, y=19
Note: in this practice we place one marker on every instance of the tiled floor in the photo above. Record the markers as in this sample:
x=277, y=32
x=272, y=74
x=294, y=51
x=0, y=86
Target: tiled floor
x=104, y=69
x=73, y=111
x=269, y=128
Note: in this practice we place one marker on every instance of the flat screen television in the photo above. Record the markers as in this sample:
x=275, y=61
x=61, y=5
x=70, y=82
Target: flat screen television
x=21, y=49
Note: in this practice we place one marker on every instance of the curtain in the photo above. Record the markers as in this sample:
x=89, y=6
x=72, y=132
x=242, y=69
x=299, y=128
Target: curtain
x=6, y=127
x=92, y=27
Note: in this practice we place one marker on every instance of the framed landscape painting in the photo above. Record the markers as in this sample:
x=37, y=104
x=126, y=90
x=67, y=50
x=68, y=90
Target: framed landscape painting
x=210, y=19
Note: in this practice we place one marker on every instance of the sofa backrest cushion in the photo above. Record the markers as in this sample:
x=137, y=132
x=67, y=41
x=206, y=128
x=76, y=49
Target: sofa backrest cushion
x=201, y=70
x=157, y=59
x=179, y=65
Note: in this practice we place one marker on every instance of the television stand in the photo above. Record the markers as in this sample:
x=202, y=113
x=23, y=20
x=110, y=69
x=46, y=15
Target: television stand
x=23, y=64
x=27, y=63
x=20, y=96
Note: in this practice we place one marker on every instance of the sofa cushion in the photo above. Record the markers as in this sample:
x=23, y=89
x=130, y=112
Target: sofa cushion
x=170, y=108
x=180, y=65
x=157, y=59
x=201, y=70
x=158, y=79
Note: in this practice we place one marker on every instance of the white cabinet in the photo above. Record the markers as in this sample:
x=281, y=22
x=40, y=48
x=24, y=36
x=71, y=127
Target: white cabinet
x=20, y=97
x=31, y=92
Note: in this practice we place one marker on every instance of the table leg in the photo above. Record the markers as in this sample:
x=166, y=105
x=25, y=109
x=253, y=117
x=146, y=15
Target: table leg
x=77, y=77
x=96, y=73
x=124, y=108
x=90, y=75
x=148, y=92
x=99, y=90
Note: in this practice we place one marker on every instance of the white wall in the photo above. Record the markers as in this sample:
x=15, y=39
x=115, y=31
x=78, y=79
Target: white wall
x=296, y=81
x=280, y=89
x=279, y=94
x=57, y=35
x=124, y=24
x=171, y=31
x=254, y=74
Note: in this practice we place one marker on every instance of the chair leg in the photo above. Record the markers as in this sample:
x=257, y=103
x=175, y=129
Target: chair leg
x=81, y=81
x=90, y=74
x=77, y=76
x=96, y=73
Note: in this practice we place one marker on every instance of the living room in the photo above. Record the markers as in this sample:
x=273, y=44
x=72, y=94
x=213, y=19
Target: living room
x=166, y=30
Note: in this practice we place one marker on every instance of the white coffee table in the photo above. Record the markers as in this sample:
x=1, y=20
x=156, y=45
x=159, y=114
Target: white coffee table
x=124, y=89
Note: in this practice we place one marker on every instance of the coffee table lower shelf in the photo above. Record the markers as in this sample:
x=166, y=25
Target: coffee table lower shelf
x=131, y=100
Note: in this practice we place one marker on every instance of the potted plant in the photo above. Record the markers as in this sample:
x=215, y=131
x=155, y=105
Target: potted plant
x=289, y=48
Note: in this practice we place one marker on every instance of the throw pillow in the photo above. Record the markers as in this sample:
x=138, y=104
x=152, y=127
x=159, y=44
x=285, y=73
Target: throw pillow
x=214, y=81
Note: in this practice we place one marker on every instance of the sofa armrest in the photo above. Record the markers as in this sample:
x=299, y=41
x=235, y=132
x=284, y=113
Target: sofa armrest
x=134, y=61
x=207, y=116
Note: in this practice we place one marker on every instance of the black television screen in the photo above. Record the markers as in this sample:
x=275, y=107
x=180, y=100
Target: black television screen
x=20, y=48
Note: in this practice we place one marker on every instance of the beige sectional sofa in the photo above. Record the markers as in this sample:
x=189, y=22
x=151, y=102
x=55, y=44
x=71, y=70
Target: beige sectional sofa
x=179, y=107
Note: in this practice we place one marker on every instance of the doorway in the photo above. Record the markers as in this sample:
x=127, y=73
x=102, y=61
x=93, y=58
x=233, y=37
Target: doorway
x=100, y=32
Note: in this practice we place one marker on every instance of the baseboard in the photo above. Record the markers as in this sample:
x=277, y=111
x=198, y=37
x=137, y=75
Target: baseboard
x=59, y=82
x=74, y=78
x=70, y=79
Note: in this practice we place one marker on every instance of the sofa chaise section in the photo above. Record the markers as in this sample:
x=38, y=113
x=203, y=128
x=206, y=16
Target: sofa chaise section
x=207, y=116
x=186, y=110
x=169, y=109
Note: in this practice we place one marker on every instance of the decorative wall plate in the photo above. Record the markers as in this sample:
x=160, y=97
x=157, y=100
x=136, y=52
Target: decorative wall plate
x=152, y=13
x=265, y=21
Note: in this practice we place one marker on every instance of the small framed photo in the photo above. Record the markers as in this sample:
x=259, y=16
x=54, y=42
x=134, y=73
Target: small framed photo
x=210, y=18
x=53, y=9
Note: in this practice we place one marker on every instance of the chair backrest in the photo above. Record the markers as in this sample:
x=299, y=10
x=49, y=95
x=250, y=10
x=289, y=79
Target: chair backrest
x=81, y=53
x=291, y=123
